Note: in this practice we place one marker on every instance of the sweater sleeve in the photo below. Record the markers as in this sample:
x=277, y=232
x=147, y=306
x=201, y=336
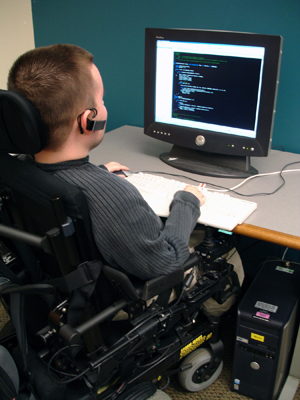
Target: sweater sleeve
x=127, y=231
x=141, y=244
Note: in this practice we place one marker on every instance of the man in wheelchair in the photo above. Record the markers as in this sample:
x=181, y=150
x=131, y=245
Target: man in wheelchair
x=63, y=79
x=111, y=357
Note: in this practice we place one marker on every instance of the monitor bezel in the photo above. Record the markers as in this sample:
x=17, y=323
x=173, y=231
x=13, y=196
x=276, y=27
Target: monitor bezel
x=215, y=142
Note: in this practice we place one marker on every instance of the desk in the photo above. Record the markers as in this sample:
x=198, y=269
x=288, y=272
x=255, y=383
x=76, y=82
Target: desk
x=277, y=218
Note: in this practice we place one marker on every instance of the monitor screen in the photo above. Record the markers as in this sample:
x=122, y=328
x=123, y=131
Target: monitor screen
x=212, y=94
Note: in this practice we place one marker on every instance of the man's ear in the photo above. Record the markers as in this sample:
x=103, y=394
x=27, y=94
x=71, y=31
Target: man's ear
x=87, y=123
x=83, y=121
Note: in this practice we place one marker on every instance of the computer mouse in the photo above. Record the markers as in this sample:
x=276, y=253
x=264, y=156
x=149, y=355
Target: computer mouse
x=123, y=173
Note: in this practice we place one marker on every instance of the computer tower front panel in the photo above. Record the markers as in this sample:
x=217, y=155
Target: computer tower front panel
x=267, y=317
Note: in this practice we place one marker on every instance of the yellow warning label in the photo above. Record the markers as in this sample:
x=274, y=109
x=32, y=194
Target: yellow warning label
x=194, y=344
x=255, y=336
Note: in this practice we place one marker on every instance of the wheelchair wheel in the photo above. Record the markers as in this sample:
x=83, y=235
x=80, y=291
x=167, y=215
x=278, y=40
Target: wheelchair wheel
x=159, y=395
x=144, y=391
x=196, y=378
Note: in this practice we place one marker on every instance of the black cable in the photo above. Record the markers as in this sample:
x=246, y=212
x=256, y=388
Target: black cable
x=272, y=259
x=168, y=380
x=74, y=376
x=157, y=359
x=249, y=246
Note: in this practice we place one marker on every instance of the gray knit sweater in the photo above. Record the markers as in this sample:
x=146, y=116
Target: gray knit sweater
x=127, y=231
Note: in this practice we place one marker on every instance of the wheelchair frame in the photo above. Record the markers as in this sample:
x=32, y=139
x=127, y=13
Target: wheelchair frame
x=160, y=335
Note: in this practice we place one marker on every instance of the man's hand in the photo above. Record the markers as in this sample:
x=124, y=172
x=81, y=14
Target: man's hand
x=114, y=166
x=196, y=192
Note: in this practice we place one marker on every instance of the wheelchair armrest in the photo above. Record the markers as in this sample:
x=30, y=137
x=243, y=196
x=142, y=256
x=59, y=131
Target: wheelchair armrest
x=160, y=284
x=135, y=288
x=121, y=281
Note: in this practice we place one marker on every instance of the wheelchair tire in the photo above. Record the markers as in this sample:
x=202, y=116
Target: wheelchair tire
x=141, y=391
x=144, y=391
x=195, y=378
x=159, y=395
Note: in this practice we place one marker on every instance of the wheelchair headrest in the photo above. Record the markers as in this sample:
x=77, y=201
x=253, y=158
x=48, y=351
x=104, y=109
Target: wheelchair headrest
x=21, y=128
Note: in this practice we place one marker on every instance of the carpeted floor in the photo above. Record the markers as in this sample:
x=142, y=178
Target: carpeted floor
x=6, y=327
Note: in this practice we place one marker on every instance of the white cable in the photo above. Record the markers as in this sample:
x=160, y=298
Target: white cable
x=254, y=176
x=283, y=256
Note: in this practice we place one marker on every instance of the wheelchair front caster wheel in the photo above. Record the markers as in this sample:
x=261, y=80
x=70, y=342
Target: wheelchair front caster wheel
x=197, y=377
x=144, y=391
x=159, y=395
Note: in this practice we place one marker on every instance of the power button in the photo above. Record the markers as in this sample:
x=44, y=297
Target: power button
x=200, y=140
x=254, y=365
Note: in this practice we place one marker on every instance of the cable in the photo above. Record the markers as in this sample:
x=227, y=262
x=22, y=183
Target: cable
x=186, y=284
x=233, y=189
x=175, y=175
x=157, y=359
x=168, y=380
x=267, y=174
x=272, y=259
x=74, y=376
x=284, y=253
x=185, y=177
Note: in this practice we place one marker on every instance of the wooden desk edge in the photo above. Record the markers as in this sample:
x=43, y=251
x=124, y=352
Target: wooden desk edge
x=283, y=239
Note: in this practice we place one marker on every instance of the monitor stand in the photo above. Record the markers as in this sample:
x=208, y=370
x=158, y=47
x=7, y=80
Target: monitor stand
x=203, y=163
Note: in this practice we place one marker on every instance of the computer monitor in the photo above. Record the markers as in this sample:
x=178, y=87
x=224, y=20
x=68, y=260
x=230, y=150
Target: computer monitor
x=212, y=94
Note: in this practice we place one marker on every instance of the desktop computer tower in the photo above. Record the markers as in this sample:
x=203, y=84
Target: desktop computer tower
x=267, y=322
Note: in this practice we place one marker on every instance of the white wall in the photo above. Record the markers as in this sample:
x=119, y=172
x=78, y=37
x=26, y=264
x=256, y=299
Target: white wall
x=16, y=33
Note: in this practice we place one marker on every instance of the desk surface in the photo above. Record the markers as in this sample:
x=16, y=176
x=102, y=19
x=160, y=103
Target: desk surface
x=277, y=218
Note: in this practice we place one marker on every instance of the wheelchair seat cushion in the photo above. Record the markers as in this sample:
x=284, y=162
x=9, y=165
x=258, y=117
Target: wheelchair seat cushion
x=18, y=115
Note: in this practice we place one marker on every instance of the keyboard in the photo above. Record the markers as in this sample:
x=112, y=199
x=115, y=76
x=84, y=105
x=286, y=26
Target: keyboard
x=220, y=210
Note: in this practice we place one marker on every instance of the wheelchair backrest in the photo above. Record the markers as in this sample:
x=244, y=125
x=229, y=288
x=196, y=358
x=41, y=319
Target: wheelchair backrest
x=34, y=200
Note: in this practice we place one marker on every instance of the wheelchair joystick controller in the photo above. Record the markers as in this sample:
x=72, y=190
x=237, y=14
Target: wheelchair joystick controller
x=209, y=240
x=214, y=246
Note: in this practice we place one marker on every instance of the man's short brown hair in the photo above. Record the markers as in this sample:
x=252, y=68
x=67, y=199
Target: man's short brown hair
x=57, y=80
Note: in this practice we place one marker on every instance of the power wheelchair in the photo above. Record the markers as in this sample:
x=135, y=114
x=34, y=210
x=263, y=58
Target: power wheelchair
x=65, y=300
